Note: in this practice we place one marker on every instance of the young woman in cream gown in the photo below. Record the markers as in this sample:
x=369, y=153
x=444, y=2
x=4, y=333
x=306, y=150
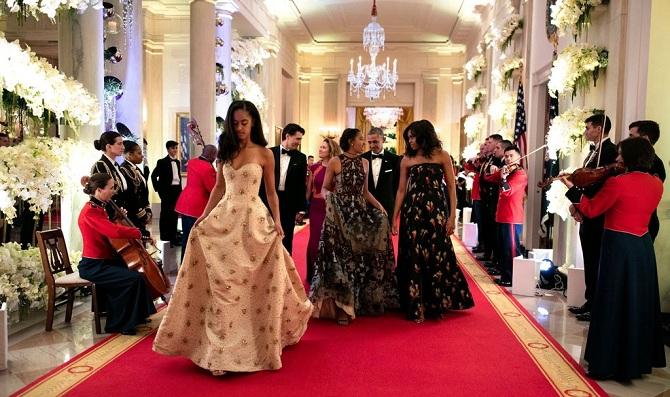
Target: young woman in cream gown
x=238, y=299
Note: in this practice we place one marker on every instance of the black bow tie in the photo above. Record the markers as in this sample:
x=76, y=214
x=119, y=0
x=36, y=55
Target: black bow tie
x=377, y=156
x=284, y=151
x=592, y=147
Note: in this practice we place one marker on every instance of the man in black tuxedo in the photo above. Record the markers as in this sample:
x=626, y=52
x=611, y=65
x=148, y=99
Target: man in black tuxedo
x=290, y=181
x=166, y=180
x=603, y=152
x=384, y=170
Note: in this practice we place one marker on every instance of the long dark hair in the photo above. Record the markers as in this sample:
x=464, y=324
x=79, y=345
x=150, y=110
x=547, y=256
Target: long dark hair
x=95, y=182
x=107, y=138
x=229, y=144
x=425, y=136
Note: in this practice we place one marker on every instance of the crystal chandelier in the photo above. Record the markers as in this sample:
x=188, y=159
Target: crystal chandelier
x=373, y=79
x=382, y=117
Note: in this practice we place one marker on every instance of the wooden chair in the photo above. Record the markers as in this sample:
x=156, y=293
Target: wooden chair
x=55, y=260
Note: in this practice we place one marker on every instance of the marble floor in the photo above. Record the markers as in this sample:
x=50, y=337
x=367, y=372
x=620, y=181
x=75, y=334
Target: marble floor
x=33, y=352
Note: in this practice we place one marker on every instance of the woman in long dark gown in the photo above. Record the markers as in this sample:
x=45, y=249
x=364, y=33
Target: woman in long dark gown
x=354, y=266
x=625, y=338
x=430, y=282
x=317, y=204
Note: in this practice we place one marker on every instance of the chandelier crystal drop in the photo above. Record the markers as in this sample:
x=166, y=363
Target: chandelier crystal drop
x=374, y=80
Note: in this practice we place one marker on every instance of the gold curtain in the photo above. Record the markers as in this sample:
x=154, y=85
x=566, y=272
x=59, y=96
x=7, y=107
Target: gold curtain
x=407, y=117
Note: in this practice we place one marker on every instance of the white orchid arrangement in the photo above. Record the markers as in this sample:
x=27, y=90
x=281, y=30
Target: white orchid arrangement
x=566, y=132
x=47, y=7
x=557, y=202
x=575, y=67
x=474, y=96
x=471, y=151
x=503, y=108
x=38, y=169
x=22, y=281
x=573, y=14
x=43, y=87
x=475, y=66
x=504, y=72
x=474, y=125
x=505, y=34
x=248, y=54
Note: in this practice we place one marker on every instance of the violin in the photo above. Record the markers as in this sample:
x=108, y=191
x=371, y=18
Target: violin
x=583, y=177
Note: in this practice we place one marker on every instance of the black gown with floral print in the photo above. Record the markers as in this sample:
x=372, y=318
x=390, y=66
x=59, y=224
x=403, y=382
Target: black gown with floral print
x=354, y=265
x=430, y=282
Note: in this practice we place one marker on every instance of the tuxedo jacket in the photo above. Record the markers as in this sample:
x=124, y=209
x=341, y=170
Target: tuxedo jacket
x=387, y=183
x=293, y=200
x=106, y=166
x=161, y=176
x=607, y=157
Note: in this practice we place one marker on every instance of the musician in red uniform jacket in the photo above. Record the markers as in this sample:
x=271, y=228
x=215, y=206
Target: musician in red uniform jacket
x=126, y=297
x=625, y=339
x=509, y=212
x=193, y=199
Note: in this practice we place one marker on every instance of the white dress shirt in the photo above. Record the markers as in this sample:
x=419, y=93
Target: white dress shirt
x=124, y=185
x=284, y=160
x=376, y=166
x=175, y=172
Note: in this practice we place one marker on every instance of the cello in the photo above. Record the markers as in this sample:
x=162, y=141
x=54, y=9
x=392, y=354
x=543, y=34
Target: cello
x=137, y=258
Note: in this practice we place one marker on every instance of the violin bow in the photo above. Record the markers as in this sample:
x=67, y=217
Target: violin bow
x=194, y=129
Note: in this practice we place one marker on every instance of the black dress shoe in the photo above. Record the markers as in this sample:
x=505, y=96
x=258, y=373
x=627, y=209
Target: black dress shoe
x=504, y=283
x=584, y=316
x=580, y=309
x=599, y=377
x=493, y=271
x=129, y=332
x=477, y=250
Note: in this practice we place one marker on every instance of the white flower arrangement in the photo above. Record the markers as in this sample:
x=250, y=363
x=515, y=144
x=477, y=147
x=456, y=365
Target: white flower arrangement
x=48, y=7
x=248, y=54
x=566, y=132
x=43, y=87
x=572, y=14
x=504, y=72
x=557, y=202
x=22, y=280
x=40, y=169
x=490, y=37
x=471, y=151
x=503, y=108
x=32, y=177
x=504, y=37
x=575, y=67
x=474, y=125
x=474, y=67
x=474, y=96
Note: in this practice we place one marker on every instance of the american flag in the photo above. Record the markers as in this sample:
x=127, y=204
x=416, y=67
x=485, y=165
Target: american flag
x=520, y=123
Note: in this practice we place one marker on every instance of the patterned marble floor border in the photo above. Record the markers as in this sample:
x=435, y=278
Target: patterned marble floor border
x=63, y=379
x=558, y=368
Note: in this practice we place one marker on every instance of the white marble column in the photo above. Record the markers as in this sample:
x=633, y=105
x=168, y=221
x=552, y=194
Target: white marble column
x=203, y=66
x=224, y=37
x=80, y=56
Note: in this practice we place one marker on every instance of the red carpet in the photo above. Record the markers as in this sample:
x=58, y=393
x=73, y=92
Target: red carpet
x=474, y=353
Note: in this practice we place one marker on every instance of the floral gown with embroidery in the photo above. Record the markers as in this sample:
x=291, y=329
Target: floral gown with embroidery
x=429, y=279
x=354, y=264
x=238, y=299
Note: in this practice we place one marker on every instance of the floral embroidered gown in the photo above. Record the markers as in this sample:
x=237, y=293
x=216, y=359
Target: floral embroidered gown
x=354, y=264
x=238, y=299
x=429, y=280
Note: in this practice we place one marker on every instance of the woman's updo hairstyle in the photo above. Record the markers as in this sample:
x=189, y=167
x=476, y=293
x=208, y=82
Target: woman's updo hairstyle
x=94, y=182
x=107, y=138
x=348, y=135
x=130, y=146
